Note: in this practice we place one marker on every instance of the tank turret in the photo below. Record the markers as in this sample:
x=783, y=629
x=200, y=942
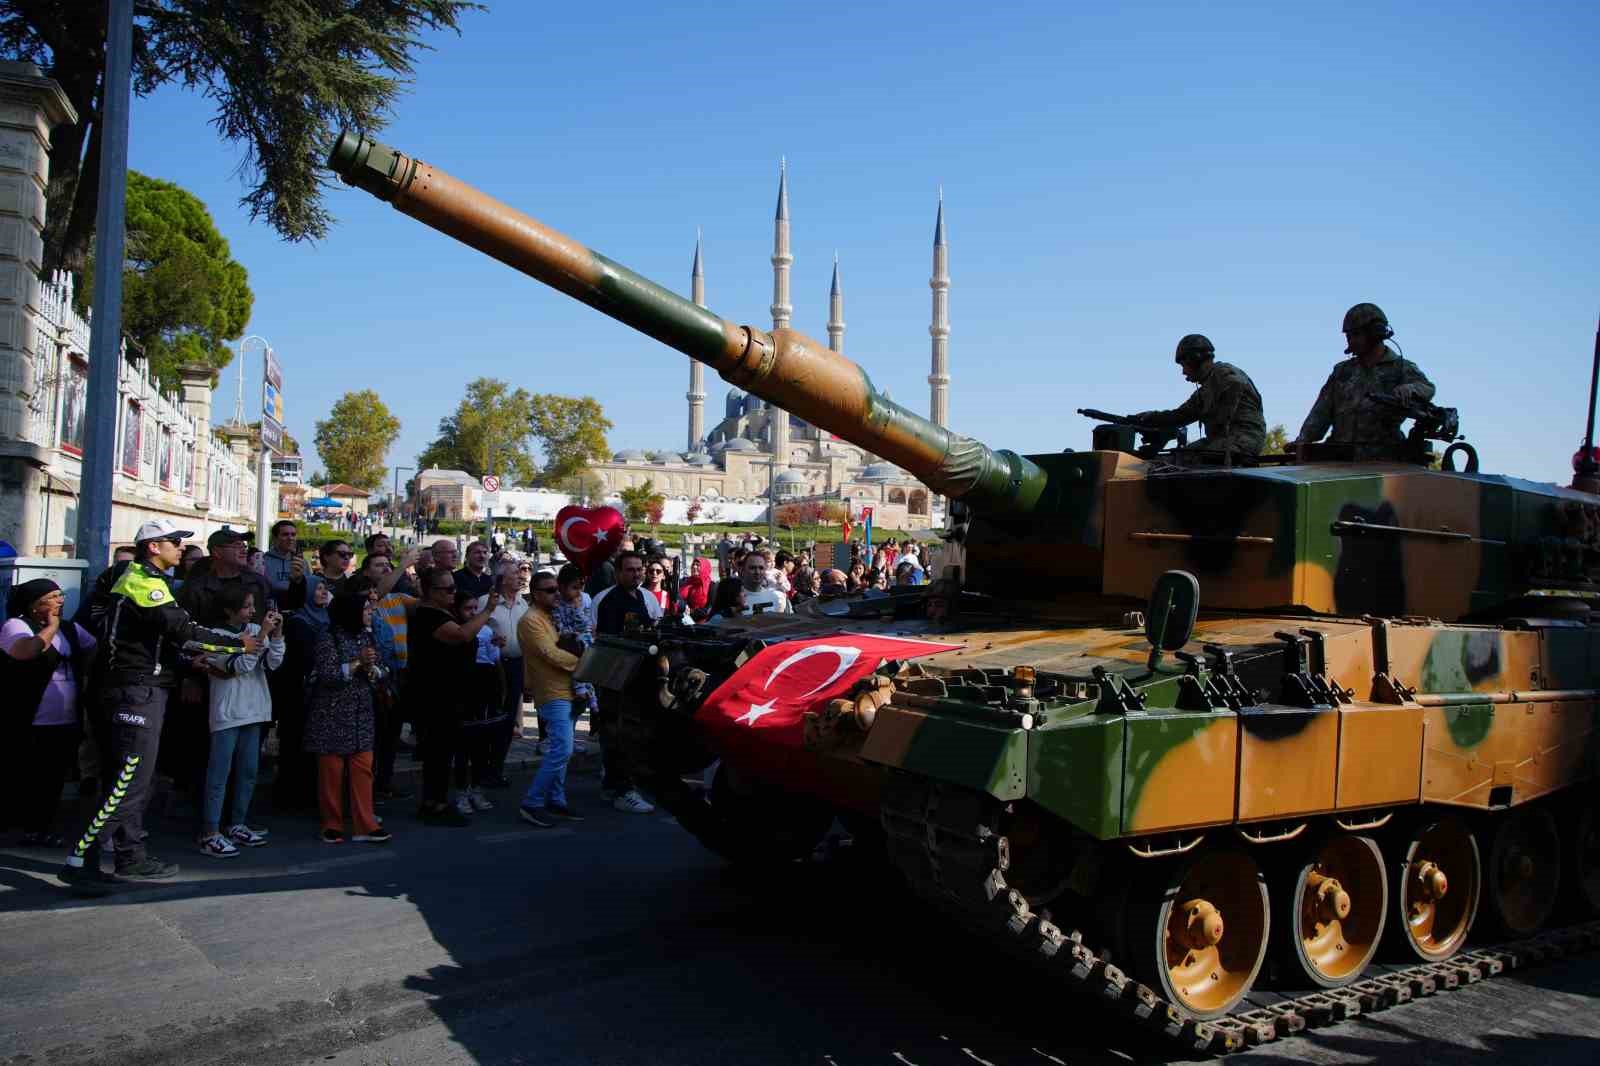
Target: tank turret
x=782, y=366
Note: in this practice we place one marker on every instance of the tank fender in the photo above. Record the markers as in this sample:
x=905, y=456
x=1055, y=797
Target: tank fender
x=983, y=756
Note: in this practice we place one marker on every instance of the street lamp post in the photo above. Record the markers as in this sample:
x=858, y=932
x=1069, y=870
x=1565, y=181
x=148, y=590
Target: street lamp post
x=394, y=501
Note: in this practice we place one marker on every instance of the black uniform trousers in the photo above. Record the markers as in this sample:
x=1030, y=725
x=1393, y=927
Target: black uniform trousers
x=133, y=714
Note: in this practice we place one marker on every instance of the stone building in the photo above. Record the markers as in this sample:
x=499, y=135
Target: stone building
x=168, y=462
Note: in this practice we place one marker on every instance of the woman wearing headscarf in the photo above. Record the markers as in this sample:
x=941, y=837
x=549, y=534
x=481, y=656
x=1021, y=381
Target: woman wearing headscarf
x=295, y=787
x=46, y=661
x=341, y=723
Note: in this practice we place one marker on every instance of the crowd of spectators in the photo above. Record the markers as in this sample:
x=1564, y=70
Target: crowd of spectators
x=323, y=669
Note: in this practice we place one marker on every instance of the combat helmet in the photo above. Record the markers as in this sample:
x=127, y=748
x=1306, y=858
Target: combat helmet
x=1194, y=346
x=1364, y=316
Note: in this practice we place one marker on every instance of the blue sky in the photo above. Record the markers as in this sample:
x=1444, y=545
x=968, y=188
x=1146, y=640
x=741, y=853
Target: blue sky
x=1114, y=177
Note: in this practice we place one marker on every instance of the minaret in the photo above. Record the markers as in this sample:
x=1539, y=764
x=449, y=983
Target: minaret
x=697, y=372
x=836, y=310
x=939, y=378
x=781, y=308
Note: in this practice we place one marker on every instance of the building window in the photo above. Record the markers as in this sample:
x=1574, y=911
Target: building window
x=166, y=467
x=131, y=423
x=75, y=405
x=897, y=495
x=918, y=502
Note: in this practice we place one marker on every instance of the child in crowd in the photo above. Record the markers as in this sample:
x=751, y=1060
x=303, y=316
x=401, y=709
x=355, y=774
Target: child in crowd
x=241, y=707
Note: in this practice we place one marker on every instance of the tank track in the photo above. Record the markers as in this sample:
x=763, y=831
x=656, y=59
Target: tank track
x=942, y=839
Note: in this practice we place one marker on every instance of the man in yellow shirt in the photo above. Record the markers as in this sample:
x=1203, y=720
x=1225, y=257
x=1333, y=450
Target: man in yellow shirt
x=547, y=675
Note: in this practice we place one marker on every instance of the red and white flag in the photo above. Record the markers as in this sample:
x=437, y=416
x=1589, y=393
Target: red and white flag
x=765, y=699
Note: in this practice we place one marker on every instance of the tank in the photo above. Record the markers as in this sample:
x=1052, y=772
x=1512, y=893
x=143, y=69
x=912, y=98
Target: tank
x=1232, y=750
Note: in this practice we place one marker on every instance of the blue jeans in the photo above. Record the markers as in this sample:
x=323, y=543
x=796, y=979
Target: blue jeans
x=550, y=783
x=237, y=749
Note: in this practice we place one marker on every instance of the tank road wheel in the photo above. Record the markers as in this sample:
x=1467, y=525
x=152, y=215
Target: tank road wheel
x=1524, y=871
x=1582, y=868
x=1202, y=943
x=1436, y=890
x=1331, y=910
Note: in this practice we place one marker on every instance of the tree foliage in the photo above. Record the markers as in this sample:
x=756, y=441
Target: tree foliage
x=571, y=431
x=492, y=417
x=355, y=438
x=285, y=78
x=1276, y=442
x=183, y=294
x=639, y=501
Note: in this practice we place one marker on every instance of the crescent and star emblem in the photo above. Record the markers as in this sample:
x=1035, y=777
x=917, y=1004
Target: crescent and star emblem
x=846, y=656
x=564, y=534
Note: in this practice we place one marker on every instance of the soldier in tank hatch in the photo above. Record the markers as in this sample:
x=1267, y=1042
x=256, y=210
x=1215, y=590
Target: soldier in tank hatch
x=1225, y=403
x=1346, y=403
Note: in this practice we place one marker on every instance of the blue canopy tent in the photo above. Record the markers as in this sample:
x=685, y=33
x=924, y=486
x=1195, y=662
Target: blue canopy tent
x=324, y=501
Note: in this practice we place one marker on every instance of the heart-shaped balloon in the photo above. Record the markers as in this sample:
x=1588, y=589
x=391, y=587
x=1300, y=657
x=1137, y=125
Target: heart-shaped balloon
x=588, y=536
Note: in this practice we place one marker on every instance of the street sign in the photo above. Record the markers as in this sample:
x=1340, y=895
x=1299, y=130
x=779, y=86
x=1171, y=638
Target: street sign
x=491, y=490
x=272, y=402
x=273, y=372
x=271, y=435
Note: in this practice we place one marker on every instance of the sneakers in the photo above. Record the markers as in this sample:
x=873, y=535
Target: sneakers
x=444, y=816
x=564, y=810
x=464, y=803
x=479, y=801
x=538, y=816
x=379, y=835
x=149, y=868
x=244, y=835
x=633, y=803
x=218, y=846
x=333, y=836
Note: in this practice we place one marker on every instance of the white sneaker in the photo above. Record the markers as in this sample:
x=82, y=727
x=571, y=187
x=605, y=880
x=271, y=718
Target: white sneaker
x=243, y=834
x=633, y=803
x=463, y=803
x=478, y=800
x=217, y=846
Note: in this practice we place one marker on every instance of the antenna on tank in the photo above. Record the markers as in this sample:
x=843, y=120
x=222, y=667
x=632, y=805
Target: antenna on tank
x=1585, y=470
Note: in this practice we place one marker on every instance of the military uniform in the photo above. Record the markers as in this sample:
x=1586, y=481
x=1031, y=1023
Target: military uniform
x=1227, y=405
x=1345, y=405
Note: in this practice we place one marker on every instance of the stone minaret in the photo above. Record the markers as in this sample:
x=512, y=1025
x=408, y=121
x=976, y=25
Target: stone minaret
x=697, y=372
x=782, y=260
x=836, y=310
x=939, y=377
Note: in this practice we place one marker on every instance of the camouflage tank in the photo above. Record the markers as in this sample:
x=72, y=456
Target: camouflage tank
x=1183, y=734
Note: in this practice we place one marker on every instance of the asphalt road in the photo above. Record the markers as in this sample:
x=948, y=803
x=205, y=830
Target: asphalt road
x=615, y=941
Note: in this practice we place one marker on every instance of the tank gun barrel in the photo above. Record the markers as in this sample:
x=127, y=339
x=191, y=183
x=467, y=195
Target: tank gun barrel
x=784, y=367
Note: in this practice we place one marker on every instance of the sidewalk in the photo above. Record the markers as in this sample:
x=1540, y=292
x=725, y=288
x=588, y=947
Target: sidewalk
x=524, y=752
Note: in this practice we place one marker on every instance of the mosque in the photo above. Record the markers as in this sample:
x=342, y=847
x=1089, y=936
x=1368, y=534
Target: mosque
x=728, y=468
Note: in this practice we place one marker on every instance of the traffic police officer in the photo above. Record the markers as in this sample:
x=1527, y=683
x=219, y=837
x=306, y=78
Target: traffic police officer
x=1345, y=403
x=143, y=633
x=1226, y=403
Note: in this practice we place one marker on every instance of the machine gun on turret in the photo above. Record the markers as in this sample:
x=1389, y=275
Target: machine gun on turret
x=1117, y=434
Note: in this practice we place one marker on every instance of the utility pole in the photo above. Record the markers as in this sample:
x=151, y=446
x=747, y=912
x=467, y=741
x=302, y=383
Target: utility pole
x=105, y=339
x=394, y=500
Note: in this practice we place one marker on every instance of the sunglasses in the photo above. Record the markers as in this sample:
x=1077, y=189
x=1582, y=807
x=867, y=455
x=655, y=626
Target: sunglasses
x=344, y=554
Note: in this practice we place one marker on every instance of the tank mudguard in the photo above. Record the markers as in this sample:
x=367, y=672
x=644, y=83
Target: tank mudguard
x=978, y=755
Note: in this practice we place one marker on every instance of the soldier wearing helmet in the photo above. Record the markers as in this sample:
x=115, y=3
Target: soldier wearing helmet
x=1345, y=403
x=1226, y=403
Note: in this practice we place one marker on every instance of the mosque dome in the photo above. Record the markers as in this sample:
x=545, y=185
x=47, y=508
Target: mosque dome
x=740, y=444
x=733, y=407
x=789, y=477
x=879, y=472
x=698, y=459
x=630, y=455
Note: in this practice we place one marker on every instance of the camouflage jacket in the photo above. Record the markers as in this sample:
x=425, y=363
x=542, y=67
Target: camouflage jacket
x=1344, y=406
x=1227, y=405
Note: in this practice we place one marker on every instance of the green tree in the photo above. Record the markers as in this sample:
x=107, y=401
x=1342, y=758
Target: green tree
x=491, y=417
x=1277, y=441
x=638, y=501
x=584, y=487
x=355, y=438
x=571, y=431
x=284, y=76
x=183, y=294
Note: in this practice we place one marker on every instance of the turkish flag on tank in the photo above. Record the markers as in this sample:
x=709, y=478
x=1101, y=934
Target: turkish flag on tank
x=765, y=698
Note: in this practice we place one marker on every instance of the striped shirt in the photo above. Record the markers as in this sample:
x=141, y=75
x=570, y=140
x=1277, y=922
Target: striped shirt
x=393, y=608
